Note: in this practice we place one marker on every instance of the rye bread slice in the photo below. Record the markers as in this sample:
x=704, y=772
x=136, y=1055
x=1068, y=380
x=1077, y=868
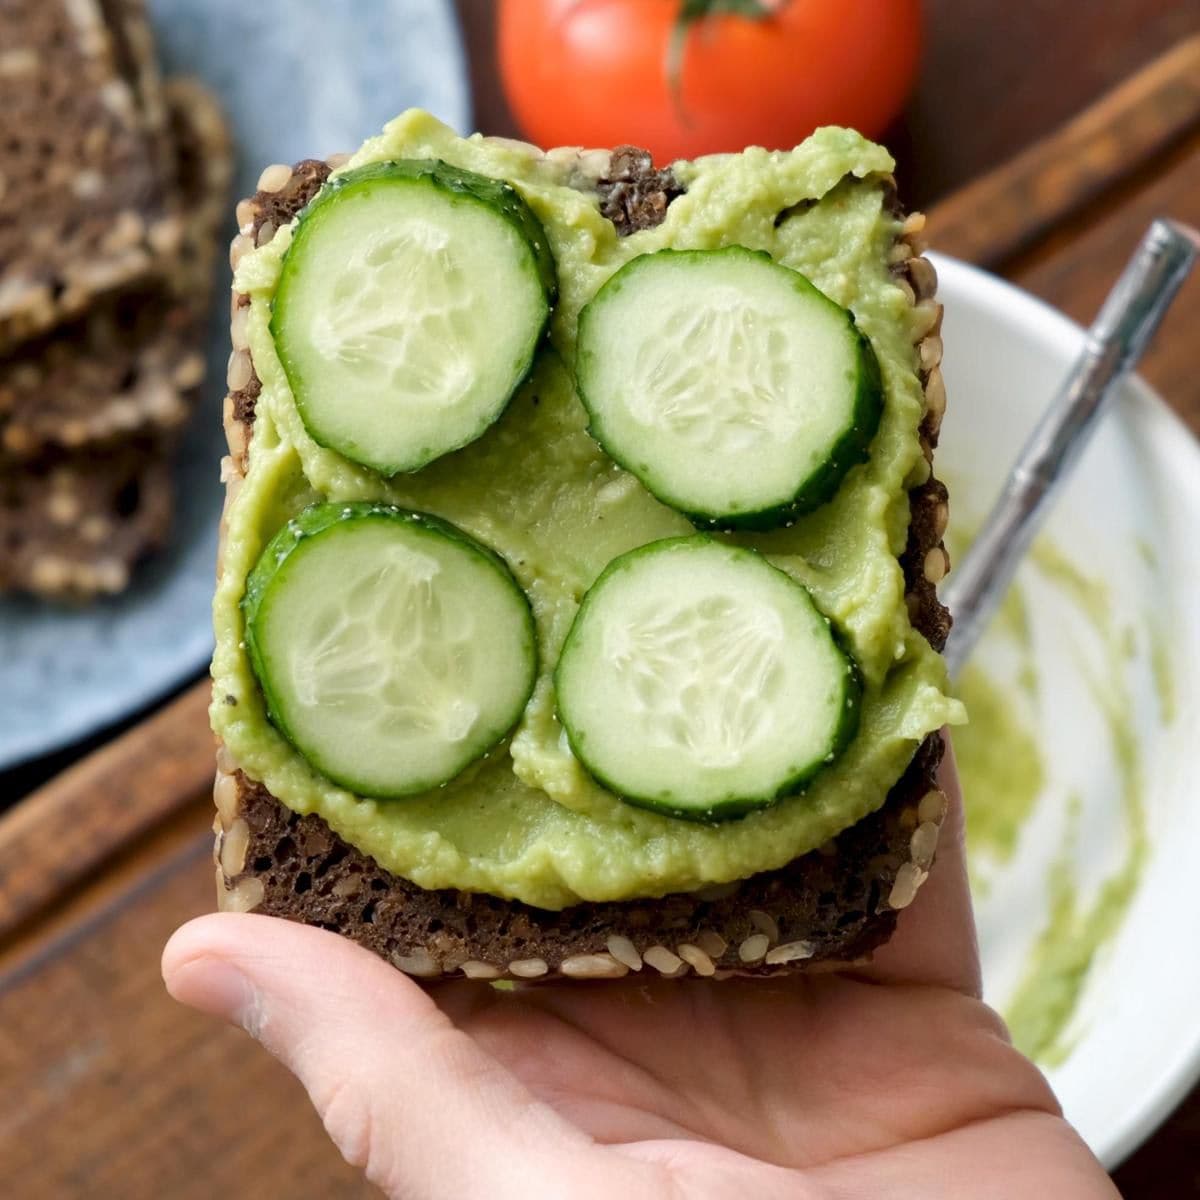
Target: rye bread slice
x=202, y=162
x=132, y=363
x=128, y=366
x=137, y=60
x=73, y=526
x=84, y=205
x=832, y=906
x=88, y=415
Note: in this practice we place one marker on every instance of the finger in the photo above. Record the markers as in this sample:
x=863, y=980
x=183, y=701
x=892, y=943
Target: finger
x=402, y=1091
x=935, y=941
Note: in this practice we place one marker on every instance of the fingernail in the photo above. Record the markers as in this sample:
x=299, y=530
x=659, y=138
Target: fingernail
x=218, y=988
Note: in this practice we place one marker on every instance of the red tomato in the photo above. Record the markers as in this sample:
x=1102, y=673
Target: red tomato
x=596, y=72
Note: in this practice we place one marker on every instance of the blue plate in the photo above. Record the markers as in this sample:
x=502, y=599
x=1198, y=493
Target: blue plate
x=298, y=78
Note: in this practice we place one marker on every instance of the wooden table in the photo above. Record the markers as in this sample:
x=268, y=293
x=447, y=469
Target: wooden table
x=111, y=1090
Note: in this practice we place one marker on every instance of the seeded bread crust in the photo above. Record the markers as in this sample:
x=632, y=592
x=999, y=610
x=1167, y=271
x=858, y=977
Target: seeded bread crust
x=85, y=206
x=829, y=907
x=89, y=414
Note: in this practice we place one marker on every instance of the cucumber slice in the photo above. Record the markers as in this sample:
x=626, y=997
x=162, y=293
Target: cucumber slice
x=699, y=680
x=392, y=649
x=731, y=387
x=411, y=301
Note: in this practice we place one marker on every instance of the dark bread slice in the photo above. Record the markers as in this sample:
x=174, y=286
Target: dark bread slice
x=97, y=403
x=202, y=163
x=128, y=365
x=132, y=362
x=835, y=905
x=137, y=60
x=85, y=205
x=832, y=906
x=72, y=526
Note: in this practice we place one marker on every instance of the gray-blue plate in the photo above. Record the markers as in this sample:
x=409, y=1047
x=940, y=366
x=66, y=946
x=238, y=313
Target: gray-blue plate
x=298, y=78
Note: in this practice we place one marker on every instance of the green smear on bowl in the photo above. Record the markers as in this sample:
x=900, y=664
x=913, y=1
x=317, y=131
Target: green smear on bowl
x=1040, y=1011
x=1160, y=666
x=999, y=764
x=1090, y=595
x=1003, y=772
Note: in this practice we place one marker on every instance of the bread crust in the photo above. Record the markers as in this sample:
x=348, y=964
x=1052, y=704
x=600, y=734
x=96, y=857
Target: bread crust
x=832, y=906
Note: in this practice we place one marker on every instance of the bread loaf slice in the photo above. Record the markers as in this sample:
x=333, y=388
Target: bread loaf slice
x=90, y=412
x=132, y=362
x=85, y=206
x=137, y=60
x=834, y=905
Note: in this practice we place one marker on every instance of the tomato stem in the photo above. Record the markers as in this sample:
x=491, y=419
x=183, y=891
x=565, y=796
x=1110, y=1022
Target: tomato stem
x=690, y=13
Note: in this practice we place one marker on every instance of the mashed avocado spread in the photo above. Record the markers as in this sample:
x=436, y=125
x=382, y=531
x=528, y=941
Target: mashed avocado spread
x=527, y=823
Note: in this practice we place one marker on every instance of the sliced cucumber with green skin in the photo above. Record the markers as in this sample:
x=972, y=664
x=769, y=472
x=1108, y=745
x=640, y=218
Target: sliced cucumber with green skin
x=729, y=385
x=392, y=649
x=700, y=680
x=411, y=302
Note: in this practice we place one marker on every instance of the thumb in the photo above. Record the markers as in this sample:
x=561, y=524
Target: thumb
x=401, y=1091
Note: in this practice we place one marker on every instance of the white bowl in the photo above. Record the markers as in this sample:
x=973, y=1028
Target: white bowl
x=1135, y=497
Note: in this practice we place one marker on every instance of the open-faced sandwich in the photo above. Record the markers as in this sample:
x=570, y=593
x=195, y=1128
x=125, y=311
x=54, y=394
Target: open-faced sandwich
x=577, y=611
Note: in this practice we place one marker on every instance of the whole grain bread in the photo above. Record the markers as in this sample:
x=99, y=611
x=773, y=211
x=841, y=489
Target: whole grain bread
x=201, y=146
x=834, y=905
x=137, y=61
x=89, y=413
x=85, y=204
x=127, y=367
x=73, y=525
x=132, y=362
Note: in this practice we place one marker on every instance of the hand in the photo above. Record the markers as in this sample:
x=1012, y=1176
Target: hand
x=888, y=1081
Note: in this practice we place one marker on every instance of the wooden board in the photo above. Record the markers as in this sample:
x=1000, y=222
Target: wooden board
x=1075, y=266
x=111, y=1089
x=1045, y=185
x=65, y=831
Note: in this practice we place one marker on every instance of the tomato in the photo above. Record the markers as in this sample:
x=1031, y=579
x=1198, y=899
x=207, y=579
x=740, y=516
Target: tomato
x=599, y=72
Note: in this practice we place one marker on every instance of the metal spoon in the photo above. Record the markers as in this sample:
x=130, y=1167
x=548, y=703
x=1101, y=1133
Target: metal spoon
x=1115, y=342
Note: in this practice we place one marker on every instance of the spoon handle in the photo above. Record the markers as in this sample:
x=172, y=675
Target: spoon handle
x=1114, y=344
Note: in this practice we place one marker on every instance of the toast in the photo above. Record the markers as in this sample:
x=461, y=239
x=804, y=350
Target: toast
x=831, y=906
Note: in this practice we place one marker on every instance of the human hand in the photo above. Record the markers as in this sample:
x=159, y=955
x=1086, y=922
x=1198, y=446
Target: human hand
x=892, y=1080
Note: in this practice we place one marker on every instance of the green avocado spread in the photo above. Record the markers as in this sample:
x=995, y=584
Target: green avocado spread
x=527, y=823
